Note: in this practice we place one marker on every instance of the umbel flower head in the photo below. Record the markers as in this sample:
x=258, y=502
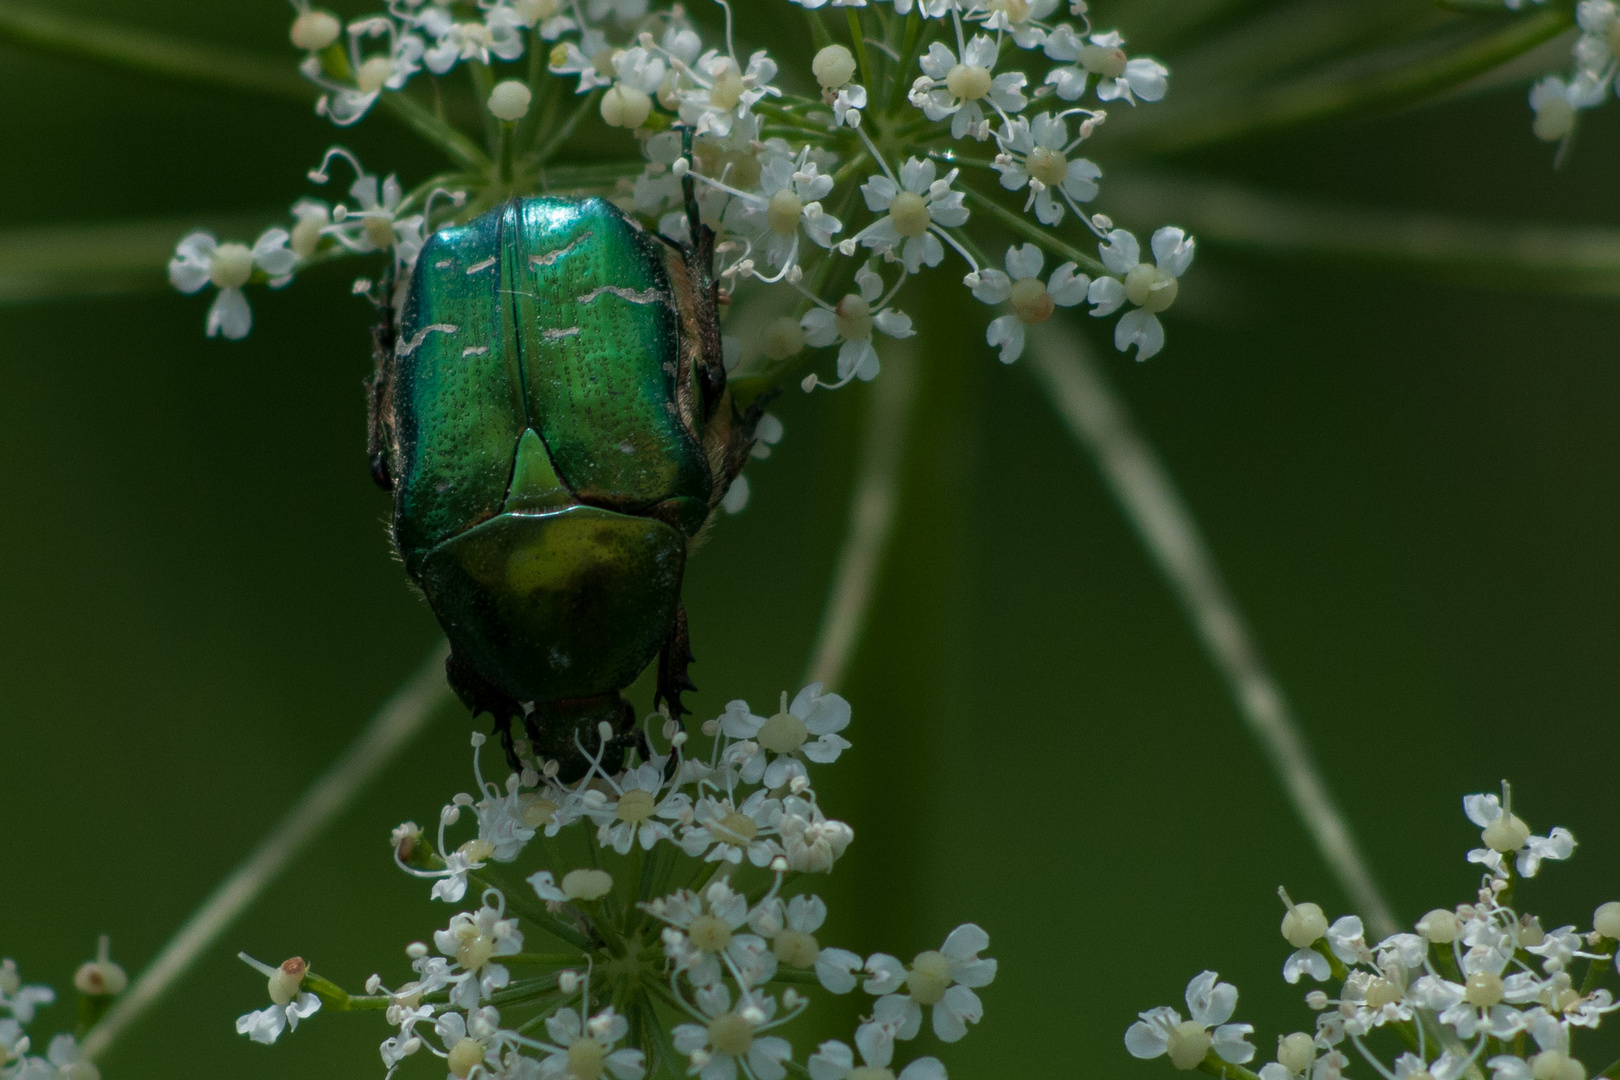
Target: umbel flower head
x=660, y=918
x=800, y=170
x=1480, y=987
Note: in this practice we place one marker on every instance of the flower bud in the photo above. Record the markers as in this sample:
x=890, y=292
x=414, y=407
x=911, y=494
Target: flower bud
x=101, y=977
x=1303, y=925
x=287, y=980
x=464, y=1056
x=783, y=337
x=1606, y=920
x=1296, y=1052
x=833, y=67
x=587, y=884
x=1188, y=1045
x=1507, y=833
x=510, y=100
x=1440, y=926
x=314, y=30
x=625, y=106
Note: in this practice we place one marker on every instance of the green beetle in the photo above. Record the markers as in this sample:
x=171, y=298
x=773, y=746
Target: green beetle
x=551, y=416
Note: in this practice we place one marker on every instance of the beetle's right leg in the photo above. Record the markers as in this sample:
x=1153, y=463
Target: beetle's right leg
x=481, y=696
x=673, y=661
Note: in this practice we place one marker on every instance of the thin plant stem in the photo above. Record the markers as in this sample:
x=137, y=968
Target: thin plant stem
x=120, y=45
x=1100, y=422
x=1029, y=230
x=1500, y=254
x=872, y=506
x=401, y=718
x=1292, y=104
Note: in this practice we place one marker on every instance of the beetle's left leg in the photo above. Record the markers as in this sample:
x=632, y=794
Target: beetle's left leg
x=673, y=661
x=481, y=696
x=380, y=387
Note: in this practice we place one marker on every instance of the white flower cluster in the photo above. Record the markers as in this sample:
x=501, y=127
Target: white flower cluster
x=674, y=886
x=1481, y=986
x=962, y=100
x=97, y=981
x=1557, y=100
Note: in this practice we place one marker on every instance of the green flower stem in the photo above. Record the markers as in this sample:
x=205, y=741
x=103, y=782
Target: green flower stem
x=1214, y=1065
x=337, y=999
x=795, y=976
x=820, y=36
x=118, y=45
x=460, y=149
x=1029, y=230
x=516, y=901
x=908, y=55
x=556, y=960
x=1612, y=1072
x=1295, y=103
x=861, y=56
x=541, y=154
x=1595, y=970
x=527, y=992
x=483, y=81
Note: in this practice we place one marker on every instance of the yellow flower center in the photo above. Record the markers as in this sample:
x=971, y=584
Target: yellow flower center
x=537, y=810
x=853, y=318
x=782, y=214
x=1101, y=60
x=1483, y=989
x=1151, y=288
x=231, y=266
x=374, y=73
x=709, y=933
x=731, y=1034
x=968, y=82
x=910, y=214
x=636, y=806
x=795, y=948
x=728, y=88
x=1048, y=166
x=464, y=1056
x=1188, y=1045
x=587, y=1059
x=1030, y=300
x=930, y=977
x=474, y=949
x=783, y=733
x=737, y=829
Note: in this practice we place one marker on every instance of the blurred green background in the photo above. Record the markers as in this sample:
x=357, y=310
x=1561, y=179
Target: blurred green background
x=1411, y=486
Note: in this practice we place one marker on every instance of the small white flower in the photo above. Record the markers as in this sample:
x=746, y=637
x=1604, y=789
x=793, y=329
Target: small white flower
x=201, y=260
x=1504, y=832
x=1188, y=1042
x=346, y=105
x=943, y=980
x=847, y=104
x=789, y=205
x=834, y=1060
x=18, y=999
x=725, y=91
x=918, y=207
x=1556, y=104
x=1102, y=56
x=589, y=1043
x=1032, y=300
x=289, y=1003
x=852, y=322
x=723, y=831
x=703, y=933
x=591, y=60
x=807, y=729
x=1152, y=287
x=960, y=88
x=729, y=1038
x=1035, y=153
x=1020, y=18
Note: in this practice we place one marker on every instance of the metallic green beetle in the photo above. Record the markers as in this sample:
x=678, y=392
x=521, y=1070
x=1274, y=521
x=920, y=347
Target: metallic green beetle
x=551, y=415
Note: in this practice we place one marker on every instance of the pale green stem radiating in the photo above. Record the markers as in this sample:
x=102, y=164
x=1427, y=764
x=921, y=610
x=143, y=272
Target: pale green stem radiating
x=89, y=259
x=401, y=718
x=1499, y=254
x=1102, y=425
x=119, y=45
x=1374, y=82
x=872, y=504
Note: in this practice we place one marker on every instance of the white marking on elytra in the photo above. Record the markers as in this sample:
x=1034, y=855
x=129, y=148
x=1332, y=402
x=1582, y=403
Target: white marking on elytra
x=444, y=264
x=554, y=335
x=537, y=261
x=405, y=348
x=645, y=296
x=474, y=350
x=480, y=267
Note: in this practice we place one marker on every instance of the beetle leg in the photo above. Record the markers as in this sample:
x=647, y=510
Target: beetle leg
x=480, y=696
x=379, y=388
x=673, y=661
